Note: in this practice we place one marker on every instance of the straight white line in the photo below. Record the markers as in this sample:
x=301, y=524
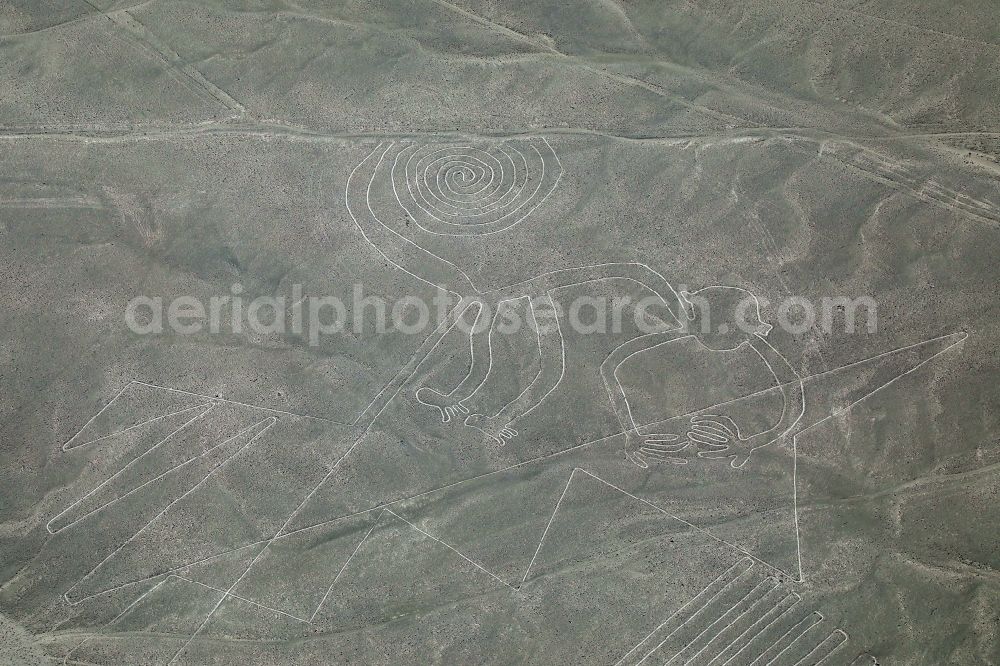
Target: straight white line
x=168, y=507
x=236, y=596
x=739, y=617
x=181, y=567
x=115, y=618
x=819, y=619
x=48, y=526
x=235, y=402
x=759, y=620
x=691, y=525
x=795, y=466
x=344, y=568
x=455, y=550
x=130, y=428
x=764, y=629
x=693, y=616
x=686, y=604
x=622, y=432
x=801, y=662
x=961, y=337
x=437, y=333
x=153, y=480
x=548, y=525
x=65, y=447
x=389, y=384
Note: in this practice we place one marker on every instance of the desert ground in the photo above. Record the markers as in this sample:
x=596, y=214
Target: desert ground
x=213, y=450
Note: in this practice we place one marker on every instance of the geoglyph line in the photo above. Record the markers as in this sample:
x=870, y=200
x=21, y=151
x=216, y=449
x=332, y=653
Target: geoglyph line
x=451, y=187
x=959, y=339
x=169, y=505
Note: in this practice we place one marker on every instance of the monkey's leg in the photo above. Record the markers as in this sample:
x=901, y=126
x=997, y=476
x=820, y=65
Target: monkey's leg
x=451, y=404
x=551, y=359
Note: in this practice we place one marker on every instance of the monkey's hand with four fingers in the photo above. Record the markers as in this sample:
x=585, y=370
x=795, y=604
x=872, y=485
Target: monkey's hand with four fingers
x=716, y=436
x=709, y=436
x=643, y=449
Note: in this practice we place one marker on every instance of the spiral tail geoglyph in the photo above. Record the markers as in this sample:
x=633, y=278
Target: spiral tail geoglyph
x=468, y=190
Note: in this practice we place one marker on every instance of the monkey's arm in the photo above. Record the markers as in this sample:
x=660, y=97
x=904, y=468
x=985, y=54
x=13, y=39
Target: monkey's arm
x=790, y=384
x=639, y=448
x=718, y=436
